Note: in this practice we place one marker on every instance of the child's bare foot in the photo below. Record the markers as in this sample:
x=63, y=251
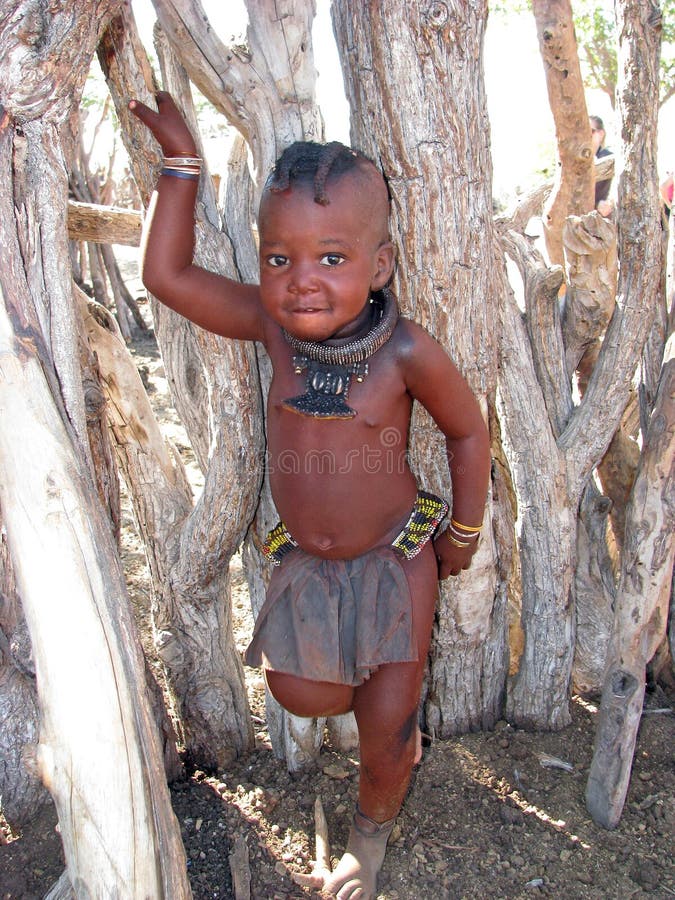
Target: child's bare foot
x=355, y=877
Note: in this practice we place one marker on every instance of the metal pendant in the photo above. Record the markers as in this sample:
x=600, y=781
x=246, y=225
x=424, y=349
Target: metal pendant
x=327, y=388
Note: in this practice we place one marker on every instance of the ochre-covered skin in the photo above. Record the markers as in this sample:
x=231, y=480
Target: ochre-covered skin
x=342, y=486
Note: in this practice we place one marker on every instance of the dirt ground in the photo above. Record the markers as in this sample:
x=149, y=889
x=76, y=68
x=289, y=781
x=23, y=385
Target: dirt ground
x=487, y=814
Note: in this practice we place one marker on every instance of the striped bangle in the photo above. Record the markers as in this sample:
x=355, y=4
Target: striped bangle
x=179, y=173
x=195, y=161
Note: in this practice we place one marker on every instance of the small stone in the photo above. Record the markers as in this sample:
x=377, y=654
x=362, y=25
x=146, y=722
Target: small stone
x=517, y=861
x=198, y=824
x=275, y=829
x=565, y=855
x=645, y=874
x=334, y=771
x=221, y=787
x=340, y=809
x=584, y=877
x=280, y=869
x=509, y=815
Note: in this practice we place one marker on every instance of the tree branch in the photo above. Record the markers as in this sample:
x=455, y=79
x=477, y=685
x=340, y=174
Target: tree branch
x=593, y=423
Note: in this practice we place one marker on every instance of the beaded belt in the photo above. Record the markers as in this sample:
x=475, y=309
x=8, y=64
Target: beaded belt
x=427, y=513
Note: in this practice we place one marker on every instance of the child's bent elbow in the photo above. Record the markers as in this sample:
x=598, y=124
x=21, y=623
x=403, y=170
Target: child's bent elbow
x=152, y=281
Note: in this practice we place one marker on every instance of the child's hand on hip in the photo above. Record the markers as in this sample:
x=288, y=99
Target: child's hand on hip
x=167, y=125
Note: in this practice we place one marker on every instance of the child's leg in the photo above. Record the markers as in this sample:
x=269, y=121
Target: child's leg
x=309, y=698
x=386, y=709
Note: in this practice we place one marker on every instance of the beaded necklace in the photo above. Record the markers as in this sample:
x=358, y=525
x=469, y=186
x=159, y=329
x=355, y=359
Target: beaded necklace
x=330, y=368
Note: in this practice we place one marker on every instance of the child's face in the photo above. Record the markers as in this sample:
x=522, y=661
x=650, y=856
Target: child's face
x=318, y=264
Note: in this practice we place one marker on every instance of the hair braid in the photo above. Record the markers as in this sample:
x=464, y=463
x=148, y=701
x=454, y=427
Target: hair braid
x=309, y=162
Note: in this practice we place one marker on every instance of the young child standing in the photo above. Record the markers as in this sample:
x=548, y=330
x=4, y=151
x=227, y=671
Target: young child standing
x=347, y=620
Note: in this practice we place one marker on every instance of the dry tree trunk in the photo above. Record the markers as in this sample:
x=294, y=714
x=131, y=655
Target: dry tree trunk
x=647, y=560
x=21, y=792
x=641, y=613
x=215, y=382
x=415, y=84
x=551, y=467
x=574, y=190
x=98, y=751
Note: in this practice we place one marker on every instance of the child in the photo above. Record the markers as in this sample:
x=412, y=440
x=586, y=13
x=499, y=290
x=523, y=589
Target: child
x=347, y=620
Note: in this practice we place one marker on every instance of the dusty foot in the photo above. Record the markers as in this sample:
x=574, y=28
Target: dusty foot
x=355, y=877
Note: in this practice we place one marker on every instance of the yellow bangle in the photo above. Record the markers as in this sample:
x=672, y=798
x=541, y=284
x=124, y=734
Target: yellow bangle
x=456, y=543
x=469, y=528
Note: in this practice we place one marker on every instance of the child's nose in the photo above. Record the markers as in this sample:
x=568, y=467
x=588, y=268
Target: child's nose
x=302, y=279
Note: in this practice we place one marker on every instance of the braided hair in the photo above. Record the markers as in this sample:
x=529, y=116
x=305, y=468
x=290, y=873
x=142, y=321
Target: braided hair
x=307, y=162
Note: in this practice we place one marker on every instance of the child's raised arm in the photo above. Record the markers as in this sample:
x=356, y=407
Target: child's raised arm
x=433, y=380
x=212, y=301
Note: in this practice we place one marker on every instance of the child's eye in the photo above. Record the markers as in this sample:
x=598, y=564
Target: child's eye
x=277, y=261
x=332, y=259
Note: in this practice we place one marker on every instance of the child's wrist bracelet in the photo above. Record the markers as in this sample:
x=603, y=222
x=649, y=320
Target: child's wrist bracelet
x=460, y=535
x=468, y=528
x=195, y=161
x=461, y=544
x=178, y=173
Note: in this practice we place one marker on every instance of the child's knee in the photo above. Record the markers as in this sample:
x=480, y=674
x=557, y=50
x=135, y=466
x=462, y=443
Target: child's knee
x=302, y=697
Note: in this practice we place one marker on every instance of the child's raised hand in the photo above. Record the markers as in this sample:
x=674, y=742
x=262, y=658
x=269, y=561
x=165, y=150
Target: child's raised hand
x=167, y=125
x=451, y=559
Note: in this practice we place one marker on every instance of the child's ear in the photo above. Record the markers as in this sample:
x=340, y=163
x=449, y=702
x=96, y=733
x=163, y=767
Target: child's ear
x=384, y=261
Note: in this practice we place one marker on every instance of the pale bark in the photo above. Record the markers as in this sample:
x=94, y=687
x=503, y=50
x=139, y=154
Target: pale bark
x=641, y=613
x=98, y=752
x=21, y=792
x=415, y=85
x=105, y=224
x=574, y=190
x=265, y=88
x=206, y=683
x=594, y=592
x=590, y=252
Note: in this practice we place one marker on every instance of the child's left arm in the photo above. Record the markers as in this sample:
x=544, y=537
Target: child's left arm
x=433, y=379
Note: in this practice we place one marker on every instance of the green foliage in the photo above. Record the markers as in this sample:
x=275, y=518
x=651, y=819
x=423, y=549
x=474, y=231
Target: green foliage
x=596, y=37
